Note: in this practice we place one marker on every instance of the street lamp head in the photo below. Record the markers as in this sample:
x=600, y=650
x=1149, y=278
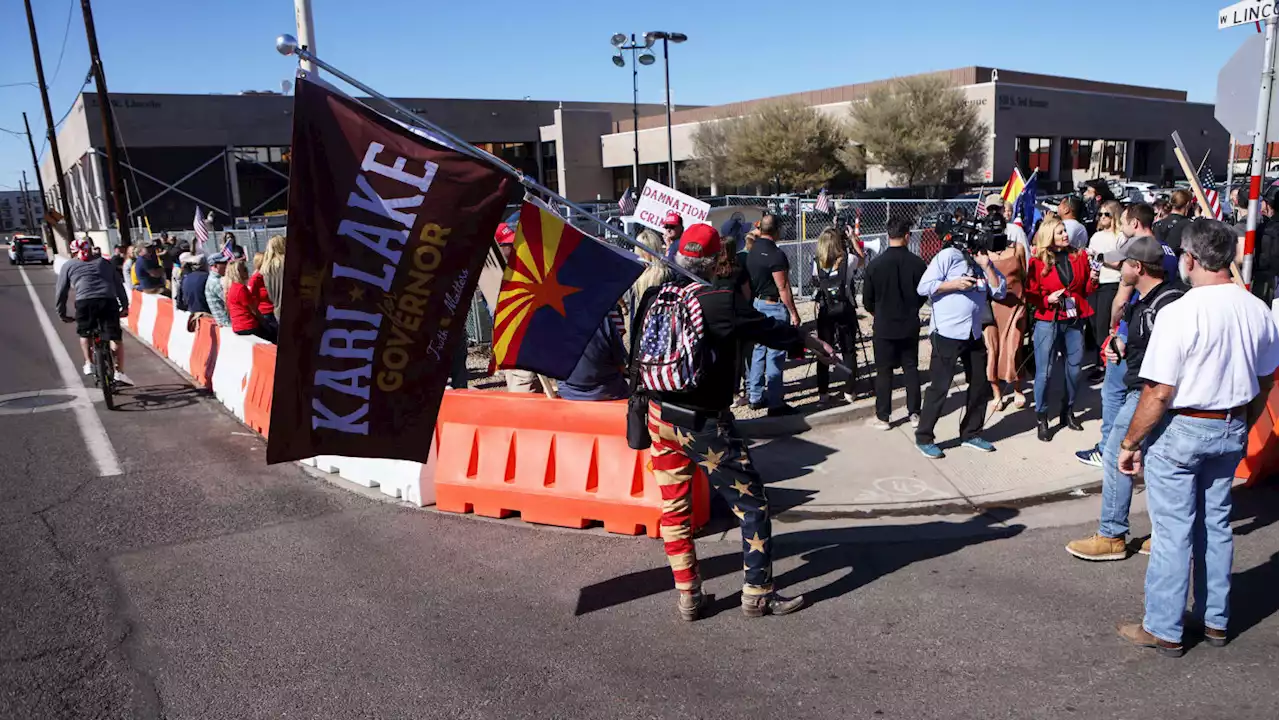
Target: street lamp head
x=647, y=59
x=648, y=40
x=677, y=37
x=286, y=45
x=618, y=39
x=617, y=60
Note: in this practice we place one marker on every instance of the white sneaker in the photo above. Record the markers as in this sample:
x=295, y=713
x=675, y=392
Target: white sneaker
x=122, y=379
x=849, y=398
x=87, y=369
x=915, y=421
x=876, y=423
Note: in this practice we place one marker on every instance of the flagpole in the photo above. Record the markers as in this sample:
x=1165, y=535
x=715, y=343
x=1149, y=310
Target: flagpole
x=288, y=45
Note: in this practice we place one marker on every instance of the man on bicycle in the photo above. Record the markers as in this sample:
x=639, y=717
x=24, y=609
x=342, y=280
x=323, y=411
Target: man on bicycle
x=101, y=300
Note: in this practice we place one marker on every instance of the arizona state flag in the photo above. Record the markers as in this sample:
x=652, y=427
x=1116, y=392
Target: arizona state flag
x=556, y=290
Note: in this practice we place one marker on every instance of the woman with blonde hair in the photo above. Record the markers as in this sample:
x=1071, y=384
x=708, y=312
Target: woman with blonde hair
x=1004, y=338
x=261, y=298
x=1059, y=281
x=833, y=274
x=656, y=272
x=272, y=270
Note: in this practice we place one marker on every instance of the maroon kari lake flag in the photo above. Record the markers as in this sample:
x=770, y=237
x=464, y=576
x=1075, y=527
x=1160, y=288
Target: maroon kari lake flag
x=387, y=235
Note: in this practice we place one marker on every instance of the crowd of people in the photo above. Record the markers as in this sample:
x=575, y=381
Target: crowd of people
x=219, y=284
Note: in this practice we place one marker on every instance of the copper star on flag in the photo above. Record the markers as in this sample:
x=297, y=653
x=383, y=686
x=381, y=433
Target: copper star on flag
x=742, y=488
x=683, y=438
x=712, y=460
x=738, y=511
x=756, y=543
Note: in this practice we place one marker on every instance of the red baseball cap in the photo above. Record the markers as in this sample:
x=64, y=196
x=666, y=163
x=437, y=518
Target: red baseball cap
x=700, y=241
x=504, y=235
x=672, y=218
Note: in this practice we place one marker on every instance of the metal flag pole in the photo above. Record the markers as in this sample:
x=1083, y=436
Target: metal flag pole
x=1258, y=161
x=288, y=45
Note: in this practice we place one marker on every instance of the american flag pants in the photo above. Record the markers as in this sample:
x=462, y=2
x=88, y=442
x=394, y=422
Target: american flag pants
x=724, y=457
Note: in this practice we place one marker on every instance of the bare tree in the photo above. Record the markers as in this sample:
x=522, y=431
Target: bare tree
x=787, y=146
x=917, y=129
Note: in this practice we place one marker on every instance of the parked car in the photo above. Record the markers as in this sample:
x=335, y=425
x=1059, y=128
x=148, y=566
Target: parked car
x=25, y=249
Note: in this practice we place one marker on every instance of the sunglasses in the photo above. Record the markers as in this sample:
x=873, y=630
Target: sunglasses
x=1106, y=214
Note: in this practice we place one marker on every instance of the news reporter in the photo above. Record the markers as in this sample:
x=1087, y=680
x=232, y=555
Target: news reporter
x=1059, y=281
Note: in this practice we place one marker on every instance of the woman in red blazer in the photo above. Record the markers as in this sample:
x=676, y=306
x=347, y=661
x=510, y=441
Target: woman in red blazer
x=1059, y=280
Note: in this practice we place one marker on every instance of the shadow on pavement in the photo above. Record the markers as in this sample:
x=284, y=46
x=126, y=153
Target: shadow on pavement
x=1253, y=595
x=1257, y=505
x=157, y=397
x=862, y=551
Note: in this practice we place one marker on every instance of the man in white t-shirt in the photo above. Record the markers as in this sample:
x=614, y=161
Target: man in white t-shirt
x=1209, y=355
x=1070, y=208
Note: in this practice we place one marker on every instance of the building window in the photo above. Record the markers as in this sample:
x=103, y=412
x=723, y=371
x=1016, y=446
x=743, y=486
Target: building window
x=1034, y=154
x=1113, y=156
x=1078, y=152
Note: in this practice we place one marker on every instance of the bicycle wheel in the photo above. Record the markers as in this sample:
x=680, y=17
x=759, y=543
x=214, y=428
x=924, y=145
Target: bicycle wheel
x=103, y=363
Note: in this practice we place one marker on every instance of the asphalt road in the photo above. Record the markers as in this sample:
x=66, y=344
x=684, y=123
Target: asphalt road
x=200, y=583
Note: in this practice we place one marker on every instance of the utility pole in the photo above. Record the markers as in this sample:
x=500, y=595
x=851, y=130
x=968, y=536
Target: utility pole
x=108, y=128
x=53, y=135
x=1258, y=163
x=44, y=199
x=26, y=204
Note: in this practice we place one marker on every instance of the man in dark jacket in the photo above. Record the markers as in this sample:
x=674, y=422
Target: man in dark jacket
x=1266, y=260
x=193, y=284
x=599, y=372
x=694, y=428
x=889, y=294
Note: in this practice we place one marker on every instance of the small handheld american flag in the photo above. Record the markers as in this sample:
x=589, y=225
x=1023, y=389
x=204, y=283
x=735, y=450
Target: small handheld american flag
x=201, y=228
x=981, y=210
x=823, y=203
x=627, y=205
x=1210, y=187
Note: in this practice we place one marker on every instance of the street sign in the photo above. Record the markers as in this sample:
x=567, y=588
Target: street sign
x=1237, y=101
x=1247, y=12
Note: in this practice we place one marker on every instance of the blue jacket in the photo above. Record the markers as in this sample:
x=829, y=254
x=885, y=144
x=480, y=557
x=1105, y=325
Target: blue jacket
x=193, y=291
x=599, y=374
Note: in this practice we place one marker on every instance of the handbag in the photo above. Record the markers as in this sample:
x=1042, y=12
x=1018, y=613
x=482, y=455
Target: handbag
x=638, y=437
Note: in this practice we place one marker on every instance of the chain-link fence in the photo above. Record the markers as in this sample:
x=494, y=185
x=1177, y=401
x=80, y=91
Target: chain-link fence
x=800, y=223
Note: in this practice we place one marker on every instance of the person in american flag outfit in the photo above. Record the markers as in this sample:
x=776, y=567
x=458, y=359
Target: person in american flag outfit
x=694, y=428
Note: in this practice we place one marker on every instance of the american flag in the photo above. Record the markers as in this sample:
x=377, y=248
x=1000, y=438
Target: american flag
x=1210, y=187
x=670, y=337
x=981, y=210
x=823, y=203
x=628, y=202
x=201, y=228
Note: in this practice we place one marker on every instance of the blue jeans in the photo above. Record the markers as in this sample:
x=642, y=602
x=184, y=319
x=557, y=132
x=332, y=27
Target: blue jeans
x=1189, y=469
x=764, y=383
x=1113, y=395
x=1067, y=336
x=1117, y=488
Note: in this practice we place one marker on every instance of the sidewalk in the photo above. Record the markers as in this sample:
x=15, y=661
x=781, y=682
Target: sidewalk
x=849, y=470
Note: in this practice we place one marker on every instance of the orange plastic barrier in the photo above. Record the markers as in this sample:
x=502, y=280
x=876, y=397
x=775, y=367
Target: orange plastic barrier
x=262, y=382
x=135, y=310
x=1260, y=451
x=556, y=462
x=164, y=324
x=204, y=352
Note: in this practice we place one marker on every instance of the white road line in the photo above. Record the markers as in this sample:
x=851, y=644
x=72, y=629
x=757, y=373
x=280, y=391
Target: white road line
x=91, y=429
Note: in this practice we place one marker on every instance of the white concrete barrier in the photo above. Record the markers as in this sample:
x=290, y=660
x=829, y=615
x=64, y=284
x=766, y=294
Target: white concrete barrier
x=181, y=340
x=231, y=371
x=147, y=319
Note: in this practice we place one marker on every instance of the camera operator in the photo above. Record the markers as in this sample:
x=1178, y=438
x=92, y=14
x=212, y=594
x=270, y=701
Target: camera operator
x=958, y=283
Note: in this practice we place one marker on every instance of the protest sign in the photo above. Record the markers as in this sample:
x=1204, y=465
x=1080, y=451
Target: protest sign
x=657, y=200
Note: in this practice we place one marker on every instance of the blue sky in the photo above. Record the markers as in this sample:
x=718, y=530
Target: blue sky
x=560, y=50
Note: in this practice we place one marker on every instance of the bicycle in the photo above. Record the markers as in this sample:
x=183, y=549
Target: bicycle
x=103, y=361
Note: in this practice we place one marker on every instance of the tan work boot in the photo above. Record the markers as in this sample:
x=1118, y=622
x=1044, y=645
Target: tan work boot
x=1138, y=635
x=1146, y=547
x=693, y=604
x=1098, y=548
x=772, y=604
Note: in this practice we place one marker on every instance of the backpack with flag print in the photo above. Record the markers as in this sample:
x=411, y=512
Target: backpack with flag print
x=669, y=357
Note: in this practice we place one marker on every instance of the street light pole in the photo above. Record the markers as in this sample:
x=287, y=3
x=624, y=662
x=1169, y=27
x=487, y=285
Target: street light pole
x=668, y=38
x=620, y=41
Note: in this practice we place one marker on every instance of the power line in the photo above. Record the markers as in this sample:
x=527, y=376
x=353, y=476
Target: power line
x=19, y=84
x=63, y=50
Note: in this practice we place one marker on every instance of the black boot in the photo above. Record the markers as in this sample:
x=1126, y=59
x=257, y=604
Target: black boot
x=1069, y=420
x=1042, y=426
